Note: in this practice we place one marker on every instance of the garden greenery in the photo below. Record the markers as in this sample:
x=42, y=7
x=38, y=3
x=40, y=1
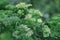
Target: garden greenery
x=54, y=23
x=21, y=22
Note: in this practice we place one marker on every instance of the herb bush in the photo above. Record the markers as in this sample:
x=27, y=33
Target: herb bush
x=21, y=22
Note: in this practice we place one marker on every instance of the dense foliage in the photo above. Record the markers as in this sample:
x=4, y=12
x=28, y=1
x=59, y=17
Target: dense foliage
x=22, y=22
x=54, y=23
